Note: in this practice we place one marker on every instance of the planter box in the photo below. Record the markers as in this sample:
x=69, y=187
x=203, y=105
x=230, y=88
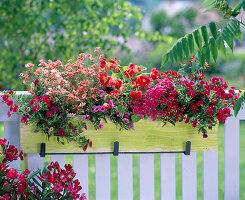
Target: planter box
x=148, y=137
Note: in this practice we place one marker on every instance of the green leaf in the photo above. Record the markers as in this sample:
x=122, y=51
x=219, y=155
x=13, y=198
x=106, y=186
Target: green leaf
x=238, y=103
x=213, y=48
x=190, y=43
x=206, y=51
x=221, y=45
x=185, y=47
x=243, y=5
x=201, y=58
x=120, y=109
x=135, y=118
x=198, y=39
x=165, y=59
x=207, y=3
x=204, y=34
x=213, y=29
x=228, y=39
x=179, y=51
x=237, y=9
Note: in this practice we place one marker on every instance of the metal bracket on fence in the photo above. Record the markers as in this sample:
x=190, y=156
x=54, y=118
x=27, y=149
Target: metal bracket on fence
x=187, y=148
x=43, y=150
x=116, y=148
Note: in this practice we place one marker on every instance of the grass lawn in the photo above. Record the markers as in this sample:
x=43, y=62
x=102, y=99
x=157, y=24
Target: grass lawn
x=178, y=170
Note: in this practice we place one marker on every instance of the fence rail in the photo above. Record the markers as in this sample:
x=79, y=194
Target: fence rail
x=146, y=167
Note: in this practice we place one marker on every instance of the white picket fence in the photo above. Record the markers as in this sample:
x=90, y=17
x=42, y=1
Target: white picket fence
x=146, y=168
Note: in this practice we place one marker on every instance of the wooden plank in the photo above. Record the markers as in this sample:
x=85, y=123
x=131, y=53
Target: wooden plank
x=35, y=162
x=61, y=159
x=102, y=177
x=80, y=166
x=125, y=176
x=148, y=137
x=189, y=177
x=146, y=176
x=231, y=150
x=12, y=134
x=168, y=187
x=210, y=175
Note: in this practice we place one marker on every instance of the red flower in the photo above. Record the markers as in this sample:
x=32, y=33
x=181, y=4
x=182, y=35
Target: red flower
x=206, y=93
x=136, y=95
x=175, y=93
x=118, y=83
x=144, y=81
x=154, y=74
x=194, y=123
x=5, y=97
x=36, y=82
x=192, y=93
x=9, y=102
x=106, y=106
x=103, y=62
x=193, y=107
x=187, y=120
x=85, y=147
x=61, y=132
x=117, y=70
x=199, y=103
x=11, y=92
x=49, y=114
x=210, y=111
x=35, y=108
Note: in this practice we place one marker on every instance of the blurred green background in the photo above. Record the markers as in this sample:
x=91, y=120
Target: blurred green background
x=135, y=31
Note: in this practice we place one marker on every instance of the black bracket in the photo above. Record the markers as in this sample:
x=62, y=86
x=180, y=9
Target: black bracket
x=43, y=150
x=116, y=148
x=188, y=148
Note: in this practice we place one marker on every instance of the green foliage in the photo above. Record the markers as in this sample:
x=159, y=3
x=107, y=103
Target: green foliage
x=32, y=30
x=238, y=103
x=205, y=42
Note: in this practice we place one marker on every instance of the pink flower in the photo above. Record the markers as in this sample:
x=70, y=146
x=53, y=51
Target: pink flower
x=61, y=132
x=83, y=197
x=9, y=114
x=125, y=120
x=193, y=107
x=51, y=129
x=101, y=126
x=35, y=108
x=11, y=92
x=86, y=117
x=5, y=197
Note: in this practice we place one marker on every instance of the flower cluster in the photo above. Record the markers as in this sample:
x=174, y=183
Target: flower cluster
x=54, y=182
x=99, y=89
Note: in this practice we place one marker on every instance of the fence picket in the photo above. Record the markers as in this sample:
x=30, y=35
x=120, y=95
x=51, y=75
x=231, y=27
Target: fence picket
x=80, y=166
x=189, y=177
x=210, y=175
x=61, y=158
x=146, y=176
x=35, y=162
x=12, y=134
x=231, y=168
x=168, y=187
x=102, y=177
x=125, y=176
